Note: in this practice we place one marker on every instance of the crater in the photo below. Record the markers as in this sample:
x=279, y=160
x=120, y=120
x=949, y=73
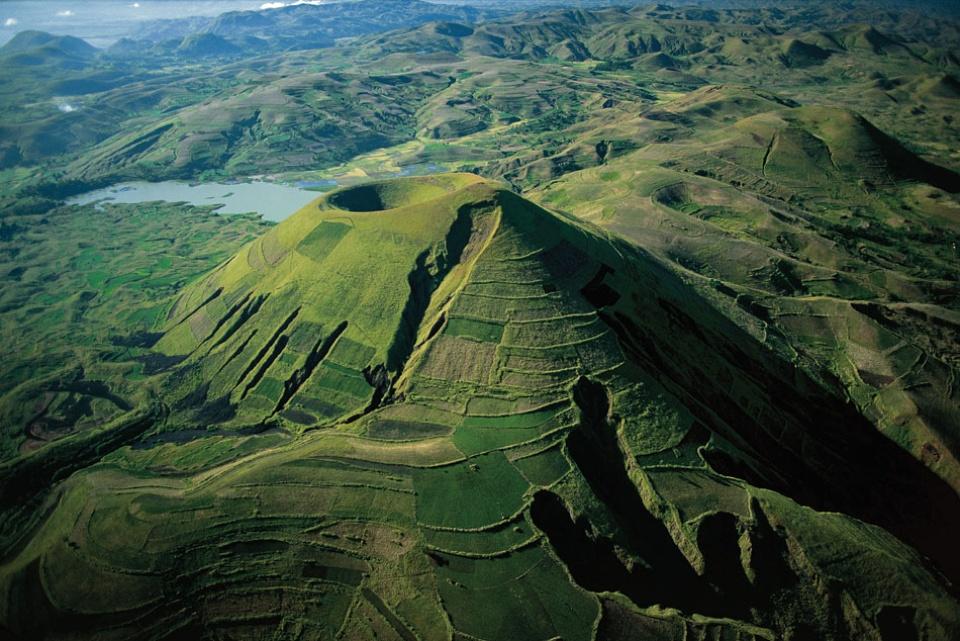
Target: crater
x=394, y=194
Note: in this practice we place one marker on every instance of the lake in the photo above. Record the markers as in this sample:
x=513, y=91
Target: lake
x=271, y=200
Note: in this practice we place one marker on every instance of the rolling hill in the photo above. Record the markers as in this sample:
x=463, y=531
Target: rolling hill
x=621, y=56
x=308, y=26
x=296, y=121
x=701, y=37
x=36, y=48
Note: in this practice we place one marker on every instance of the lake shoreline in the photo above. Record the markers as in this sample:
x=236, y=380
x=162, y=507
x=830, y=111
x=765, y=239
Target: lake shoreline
x=270, y=200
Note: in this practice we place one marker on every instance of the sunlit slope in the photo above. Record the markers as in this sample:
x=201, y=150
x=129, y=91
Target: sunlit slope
x=555, y=437
x=819, y=149
x=307, y=322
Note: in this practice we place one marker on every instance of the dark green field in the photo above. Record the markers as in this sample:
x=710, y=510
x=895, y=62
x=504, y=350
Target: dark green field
x=631, y=323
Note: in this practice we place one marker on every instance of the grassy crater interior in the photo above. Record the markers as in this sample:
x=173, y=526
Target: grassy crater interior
x=384, y=195
x=394, y=194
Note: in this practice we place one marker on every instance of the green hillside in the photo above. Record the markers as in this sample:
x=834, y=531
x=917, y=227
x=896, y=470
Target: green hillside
x=38, y=47
x=458, y=396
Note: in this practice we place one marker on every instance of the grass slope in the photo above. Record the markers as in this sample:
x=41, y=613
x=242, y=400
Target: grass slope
x=539, y=415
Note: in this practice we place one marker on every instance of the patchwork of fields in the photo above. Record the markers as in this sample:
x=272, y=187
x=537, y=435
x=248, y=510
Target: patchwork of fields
x=508, y=452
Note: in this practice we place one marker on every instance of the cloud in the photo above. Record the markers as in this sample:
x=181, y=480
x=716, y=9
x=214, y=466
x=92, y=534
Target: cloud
x=65, y=14
x=66, y=107
x=135, y=5
x=10, y=22
x=280, y=5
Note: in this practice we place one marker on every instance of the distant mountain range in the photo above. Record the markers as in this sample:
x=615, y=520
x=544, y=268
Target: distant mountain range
x=306, y=26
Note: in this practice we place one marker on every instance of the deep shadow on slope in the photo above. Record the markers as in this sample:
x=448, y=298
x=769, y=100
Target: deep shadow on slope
x=790, y=433
x=430, y=270
x=663, y=576
x=795, y=436
x=908, y=165
x=668, y=577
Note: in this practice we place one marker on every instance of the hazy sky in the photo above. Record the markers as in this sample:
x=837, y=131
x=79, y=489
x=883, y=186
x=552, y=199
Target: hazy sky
x=101, y=22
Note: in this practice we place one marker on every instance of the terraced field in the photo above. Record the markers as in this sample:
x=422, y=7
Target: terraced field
x=79, y=306
x=501, y=444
